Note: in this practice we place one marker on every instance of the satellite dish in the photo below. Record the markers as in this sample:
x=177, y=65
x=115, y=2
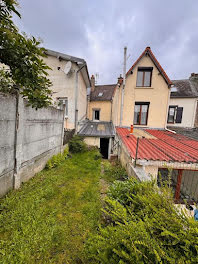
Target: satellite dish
x=68, y=67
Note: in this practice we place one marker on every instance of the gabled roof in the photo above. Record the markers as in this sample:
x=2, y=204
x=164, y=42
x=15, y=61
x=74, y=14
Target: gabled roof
x=77, y=60
x=185, y=88
x=149, y=52
x=103, y=92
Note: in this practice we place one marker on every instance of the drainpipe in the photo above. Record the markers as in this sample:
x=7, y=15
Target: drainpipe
x=123, y=86
x=76, y=97
x=195, y=111
x=111, y=110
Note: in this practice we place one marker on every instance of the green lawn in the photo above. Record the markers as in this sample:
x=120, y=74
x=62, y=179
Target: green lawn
x=49, y=218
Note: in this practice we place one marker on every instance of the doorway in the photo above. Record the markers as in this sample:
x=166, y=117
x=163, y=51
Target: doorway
x=104, y=147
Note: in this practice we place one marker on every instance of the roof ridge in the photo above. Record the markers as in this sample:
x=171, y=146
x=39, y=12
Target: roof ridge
x=155, y=61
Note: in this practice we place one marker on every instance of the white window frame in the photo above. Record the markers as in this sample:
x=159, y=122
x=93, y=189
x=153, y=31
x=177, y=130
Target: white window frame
x=94, y=114
x=64, y=101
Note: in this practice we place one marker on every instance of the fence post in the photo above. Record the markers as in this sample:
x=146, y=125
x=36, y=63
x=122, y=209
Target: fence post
x=18, y=142
x=63, y=126
x=178, y=187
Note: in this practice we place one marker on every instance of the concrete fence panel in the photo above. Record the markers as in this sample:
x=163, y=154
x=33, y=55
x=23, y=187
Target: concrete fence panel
x=28, y=138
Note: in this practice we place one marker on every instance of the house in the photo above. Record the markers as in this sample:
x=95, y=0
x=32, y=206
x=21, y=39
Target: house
x=144, y=100
x=161, y=155
x=70, y=80
x=183, y=105
x=99, y=130
x=149, y=149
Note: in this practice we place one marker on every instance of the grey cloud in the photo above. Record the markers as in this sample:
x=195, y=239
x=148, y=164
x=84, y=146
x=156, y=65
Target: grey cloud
x=98, y=31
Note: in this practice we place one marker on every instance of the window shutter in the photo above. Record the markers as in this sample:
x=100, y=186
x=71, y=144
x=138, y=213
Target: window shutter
x=179, y=115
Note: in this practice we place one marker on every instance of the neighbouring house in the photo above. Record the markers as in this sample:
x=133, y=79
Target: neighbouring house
x=70, y=80
x=183, y=105
x=99, y=130
x=163, y=155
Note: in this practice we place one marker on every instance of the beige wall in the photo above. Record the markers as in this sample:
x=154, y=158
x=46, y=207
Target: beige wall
x=92, y=141
x=189, y=110
x=157, y=95
x=64, y=86
x=105, y=110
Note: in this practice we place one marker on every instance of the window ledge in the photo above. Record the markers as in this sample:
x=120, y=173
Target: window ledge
x=144, y=87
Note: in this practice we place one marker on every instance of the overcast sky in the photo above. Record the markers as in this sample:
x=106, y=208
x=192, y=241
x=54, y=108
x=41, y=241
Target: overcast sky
x=97, y=31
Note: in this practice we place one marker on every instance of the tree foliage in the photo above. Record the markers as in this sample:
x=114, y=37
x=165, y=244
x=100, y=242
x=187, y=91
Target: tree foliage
x=143, y=227
x=24, y=58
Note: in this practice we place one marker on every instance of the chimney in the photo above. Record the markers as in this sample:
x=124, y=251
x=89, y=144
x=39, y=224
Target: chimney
x=92, y=83
x=120, y=79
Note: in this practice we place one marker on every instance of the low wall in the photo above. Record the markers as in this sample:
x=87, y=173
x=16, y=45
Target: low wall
x=28, y=138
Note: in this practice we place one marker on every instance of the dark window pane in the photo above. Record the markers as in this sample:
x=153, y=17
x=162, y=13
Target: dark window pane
x=97, y=115
x=147, y=78
x=139, y=78
x=144, y=114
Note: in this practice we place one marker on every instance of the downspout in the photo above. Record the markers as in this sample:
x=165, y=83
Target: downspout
x=111, y=110
x=123, y=86
x=76, y=97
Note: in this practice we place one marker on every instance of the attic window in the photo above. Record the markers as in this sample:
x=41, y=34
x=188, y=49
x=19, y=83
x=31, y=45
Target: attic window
x=100, y=94
x=144, y=75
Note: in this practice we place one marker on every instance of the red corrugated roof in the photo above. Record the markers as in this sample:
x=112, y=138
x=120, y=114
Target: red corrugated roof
x=156, y=62
x=167, y=146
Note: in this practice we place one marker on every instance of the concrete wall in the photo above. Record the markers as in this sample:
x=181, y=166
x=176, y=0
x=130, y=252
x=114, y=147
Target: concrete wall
x=157, y=95
x=189, y=110
x=26, y=144
x=7, y=139
x=105, y=110
x=64, y=86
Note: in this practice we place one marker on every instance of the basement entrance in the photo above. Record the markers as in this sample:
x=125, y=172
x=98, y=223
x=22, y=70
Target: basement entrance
x=104, y=147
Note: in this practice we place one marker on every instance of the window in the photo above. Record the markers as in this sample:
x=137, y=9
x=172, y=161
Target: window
x=144, y=76
x=61, y=102
x=175, y=114
x=141, y=113
x=100, y=94
x=96, y=114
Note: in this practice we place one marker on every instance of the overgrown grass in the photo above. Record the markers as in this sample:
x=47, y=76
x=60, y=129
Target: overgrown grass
x=49, y=218
x=113, y=172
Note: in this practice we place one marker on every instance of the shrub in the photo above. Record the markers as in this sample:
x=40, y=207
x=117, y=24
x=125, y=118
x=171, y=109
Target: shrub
x=145, y=227
x=77, y=145
x=56, y=160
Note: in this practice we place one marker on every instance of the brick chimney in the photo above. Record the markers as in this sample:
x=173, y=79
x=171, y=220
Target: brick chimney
x=194, y=76
x=92, y=83
x=120, y=79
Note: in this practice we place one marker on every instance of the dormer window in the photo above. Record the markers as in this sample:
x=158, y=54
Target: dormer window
x=144, y=75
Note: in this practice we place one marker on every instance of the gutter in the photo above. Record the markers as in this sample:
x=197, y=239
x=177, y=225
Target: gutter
x=76, y=97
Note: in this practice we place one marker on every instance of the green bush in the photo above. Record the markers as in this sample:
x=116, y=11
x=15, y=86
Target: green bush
x=56, y=160
x=145, y=227
x=77, y=145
